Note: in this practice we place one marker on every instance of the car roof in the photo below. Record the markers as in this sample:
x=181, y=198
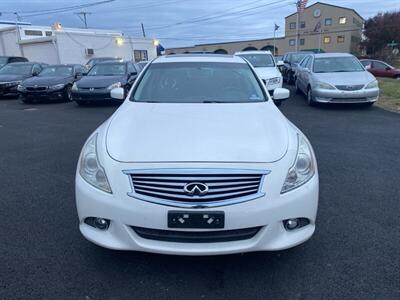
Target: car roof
x=299, y=52
x=62, y=65
x=322, y=55
x=111, y=62
x=25, y=63
x=199, y=58
x=253, y=52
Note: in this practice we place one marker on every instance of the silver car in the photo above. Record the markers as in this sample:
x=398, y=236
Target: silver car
x=335, y=78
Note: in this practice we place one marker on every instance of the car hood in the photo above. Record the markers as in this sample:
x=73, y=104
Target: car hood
x=11, y=77
x=197, y=132
x=267, y=73
x=44, y=80
x=99, y=81
x=345, y=78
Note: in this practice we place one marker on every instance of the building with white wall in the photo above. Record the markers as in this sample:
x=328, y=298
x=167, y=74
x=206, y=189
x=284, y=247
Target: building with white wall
x=57, y=45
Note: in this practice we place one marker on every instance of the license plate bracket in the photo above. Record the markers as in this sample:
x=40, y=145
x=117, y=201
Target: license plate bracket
x=200, y=220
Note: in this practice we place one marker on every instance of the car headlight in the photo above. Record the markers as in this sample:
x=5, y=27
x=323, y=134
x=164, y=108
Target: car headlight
x=57, y=86
x=12, y=83
x=274, y=80
x=372, y=85
x=74, y=87
x=324, y=86
x=303, y=168
x=90, y=168
x=114, y=86
x=20, y=88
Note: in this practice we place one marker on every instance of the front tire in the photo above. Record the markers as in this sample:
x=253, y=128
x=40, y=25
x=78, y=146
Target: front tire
x=68, y=93
x=296, y=88
x=310, y=97
x=26, y=101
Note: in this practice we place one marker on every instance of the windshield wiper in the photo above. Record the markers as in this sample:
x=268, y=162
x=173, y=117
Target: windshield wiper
x=212, y=101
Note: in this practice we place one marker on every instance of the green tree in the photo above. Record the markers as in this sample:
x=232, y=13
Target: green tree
x=381, y=30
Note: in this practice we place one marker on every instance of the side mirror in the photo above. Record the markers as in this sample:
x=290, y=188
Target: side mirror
x=280, y=63
x=388, y=68
x=77, y=75
x=132, y=73
x=286, y=62
x=118, y=93
x=35, y=73
x=368, y=67
x=281, y=94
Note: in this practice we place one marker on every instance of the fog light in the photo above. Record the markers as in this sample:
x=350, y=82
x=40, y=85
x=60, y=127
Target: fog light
x=98, y=223
x=296, y=223
x=291, y=224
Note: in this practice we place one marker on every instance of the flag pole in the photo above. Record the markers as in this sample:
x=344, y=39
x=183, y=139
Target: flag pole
x=274, y=37
x=298, y=32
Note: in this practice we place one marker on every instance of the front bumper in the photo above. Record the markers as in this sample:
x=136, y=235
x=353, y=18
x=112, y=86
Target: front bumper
x=37, y=95
x=8, y=90
x=339, y=96
x=268, y=212
x=94, y=95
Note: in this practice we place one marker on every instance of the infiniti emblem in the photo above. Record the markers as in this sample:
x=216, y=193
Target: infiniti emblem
x=196, y=189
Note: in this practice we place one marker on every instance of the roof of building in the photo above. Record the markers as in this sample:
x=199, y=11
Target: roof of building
x=199, y=58
x=327, y=4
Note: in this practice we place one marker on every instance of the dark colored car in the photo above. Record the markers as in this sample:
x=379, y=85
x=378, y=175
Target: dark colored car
x=93, y=61
x=12, y=75
x=54, y=82
x=101, y=79
x=291, y=59
x=11, y=59
x=380, y=69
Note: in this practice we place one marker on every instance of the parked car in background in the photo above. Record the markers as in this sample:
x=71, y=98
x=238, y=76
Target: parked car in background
x=380, y=68
x=91, y=62
x=198, y=161
x=101, y=79
x=266, y=68
x=54, y=82
x=11, y=59
x=291, y=59
x=142, y=64
x=335, y=78
x=12, y=75
x=278, y=58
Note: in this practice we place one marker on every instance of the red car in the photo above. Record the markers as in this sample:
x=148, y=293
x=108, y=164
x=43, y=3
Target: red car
x=380, y=69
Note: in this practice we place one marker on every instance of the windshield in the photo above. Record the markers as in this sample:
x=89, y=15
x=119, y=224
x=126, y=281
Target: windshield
x=16, y=69
x=337, y=64
x=259, y=60
x=3, y=60
x=296, y=57
x=197, y=82
x=107, y=70
x=56, y=71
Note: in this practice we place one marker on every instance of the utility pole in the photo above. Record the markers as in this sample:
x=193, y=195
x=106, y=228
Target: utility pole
x=83, y=19
x=144, y=33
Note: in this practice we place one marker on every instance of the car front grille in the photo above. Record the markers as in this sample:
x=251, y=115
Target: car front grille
x=349, y=87
x=170, y=186
x=36, y=88
x=196, y=236
x=348, y=100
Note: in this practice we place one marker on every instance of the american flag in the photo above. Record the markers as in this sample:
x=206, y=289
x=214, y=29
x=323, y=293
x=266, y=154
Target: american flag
x=301, y=5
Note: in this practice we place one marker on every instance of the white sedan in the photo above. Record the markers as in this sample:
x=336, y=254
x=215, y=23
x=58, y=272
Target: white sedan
x=198, y=160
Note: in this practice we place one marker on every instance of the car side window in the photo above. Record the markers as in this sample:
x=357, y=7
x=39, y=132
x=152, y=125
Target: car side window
x=378, y=65
x=131, y=68
x=304, y=61
x=366, y=63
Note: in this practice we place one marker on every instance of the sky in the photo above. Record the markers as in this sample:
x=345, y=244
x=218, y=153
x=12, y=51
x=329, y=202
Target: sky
x=179, y=23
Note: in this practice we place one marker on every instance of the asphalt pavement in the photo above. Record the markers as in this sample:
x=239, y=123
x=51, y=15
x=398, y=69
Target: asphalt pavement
x=354, y=253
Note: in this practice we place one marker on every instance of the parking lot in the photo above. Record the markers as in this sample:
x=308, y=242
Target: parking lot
x=353, y=254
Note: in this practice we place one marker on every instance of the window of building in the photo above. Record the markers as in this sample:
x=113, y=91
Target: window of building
x=340, y=39
x=33, y=32
x=302, y=24
x=342, y=20
x=302, y=42
x=140, y=55
x=328, y=22
x=358, y=23
x=292, y=25
x=49, y=33
x=292, y=42
x=327, y=39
